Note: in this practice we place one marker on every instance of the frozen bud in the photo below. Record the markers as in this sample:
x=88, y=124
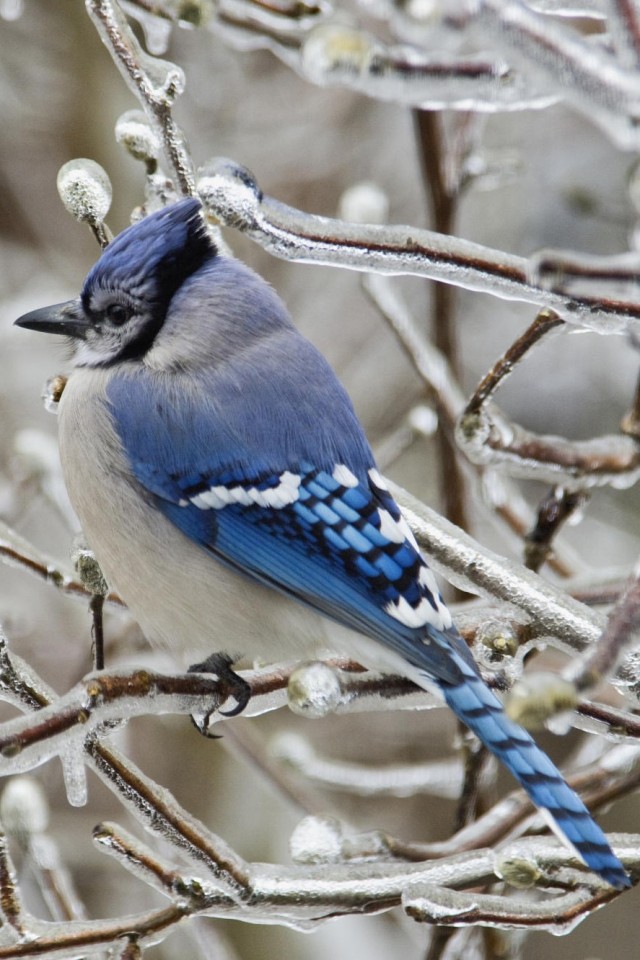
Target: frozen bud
x=229, y=191
x=137, y=135
x=336, y=49
x=88, y=568
x=11, y=9
x=194, y=12
x=516, y=871
x=427, y=11
x=314, y=690
x=423, y=420
x=52, y=392
x=499, y=639
x=85, y=190
x=316, y=840
x=364, y=202
x=23, y=807
x=539, y=696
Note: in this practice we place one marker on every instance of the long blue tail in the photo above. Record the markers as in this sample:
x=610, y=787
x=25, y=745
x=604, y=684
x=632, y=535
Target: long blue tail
x=483, y=713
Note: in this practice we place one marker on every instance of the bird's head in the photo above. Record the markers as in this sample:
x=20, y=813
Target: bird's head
x=126, y=295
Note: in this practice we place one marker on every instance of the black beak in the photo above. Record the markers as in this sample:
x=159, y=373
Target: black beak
x=67, y=319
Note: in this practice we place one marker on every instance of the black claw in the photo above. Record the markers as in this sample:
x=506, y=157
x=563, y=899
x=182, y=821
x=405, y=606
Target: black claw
x=202, y=726
x=239, y=689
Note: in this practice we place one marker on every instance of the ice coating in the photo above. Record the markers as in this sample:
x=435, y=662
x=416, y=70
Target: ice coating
x=85, y=190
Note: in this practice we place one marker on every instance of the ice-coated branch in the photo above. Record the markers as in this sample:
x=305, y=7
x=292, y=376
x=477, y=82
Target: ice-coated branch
x=436, y=374
x=492, y=439
x=488, y=437
x=623, y=22
x=571, y=8
x=100, y=699
x=231, y=194
x=335, y=54
x=621, y=632
x=437, y=777
x=156, y=84
x=11, y=907
x=427, y=360
x=577, y=273
x=558, y=915
x=586, y=73
x=515, y=813
x=156, y=808
x=460, y=558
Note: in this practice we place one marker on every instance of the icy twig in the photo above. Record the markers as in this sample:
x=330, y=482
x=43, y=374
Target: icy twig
x=11, y=907
x=477, y=570
x=429, y=362
x=442, y=778
x=598, y=784
x=571, y=273
x=231, y=194
x=326, y=51
x=585, y=72
x=571, y=8
x=157, y=872
x=156, y=83
x=475, y=758
x=97, y=700
x=544, y=323
x=558, y=915
x=554, y=510
x=621, y=631
x=436, y=374
x=489, y=437
x=18, y=552
x=336, y=54
x=24, y=813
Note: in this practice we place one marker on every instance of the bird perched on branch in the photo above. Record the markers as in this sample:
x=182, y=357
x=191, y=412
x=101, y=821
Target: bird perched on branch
x=224, y=482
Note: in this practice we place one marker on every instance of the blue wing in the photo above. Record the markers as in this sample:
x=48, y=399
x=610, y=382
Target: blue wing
x=298, y=506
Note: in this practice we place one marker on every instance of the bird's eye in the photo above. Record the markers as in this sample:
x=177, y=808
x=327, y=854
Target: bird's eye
x=117, y=314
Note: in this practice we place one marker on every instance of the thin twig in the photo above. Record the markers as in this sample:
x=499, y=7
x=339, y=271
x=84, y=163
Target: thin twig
x=620, y=632
x=544, y=323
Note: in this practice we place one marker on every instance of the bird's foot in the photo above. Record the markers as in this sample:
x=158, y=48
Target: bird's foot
x=238, y=688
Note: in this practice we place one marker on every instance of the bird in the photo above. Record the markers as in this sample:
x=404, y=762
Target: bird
x=222, y=478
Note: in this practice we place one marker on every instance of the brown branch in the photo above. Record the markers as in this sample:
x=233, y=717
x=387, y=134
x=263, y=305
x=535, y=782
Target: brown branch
x=443, y=202
x=544, y=323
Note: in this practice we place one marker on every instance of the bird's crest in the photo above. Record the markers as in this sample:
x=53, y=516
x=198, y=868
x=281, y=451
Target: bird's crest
x=152, y=258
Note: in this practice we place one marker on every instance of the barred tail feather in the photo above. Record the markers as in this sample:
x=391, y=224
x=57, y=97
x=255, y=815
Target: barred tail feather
x=483, y=713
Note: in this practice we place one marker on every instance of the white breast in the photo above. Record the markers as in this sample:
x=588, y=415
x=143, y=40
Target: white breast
x=182, y=597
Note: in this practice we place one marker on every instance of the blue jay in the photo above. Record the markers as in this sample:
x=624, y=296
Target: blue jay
x=219, y=472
